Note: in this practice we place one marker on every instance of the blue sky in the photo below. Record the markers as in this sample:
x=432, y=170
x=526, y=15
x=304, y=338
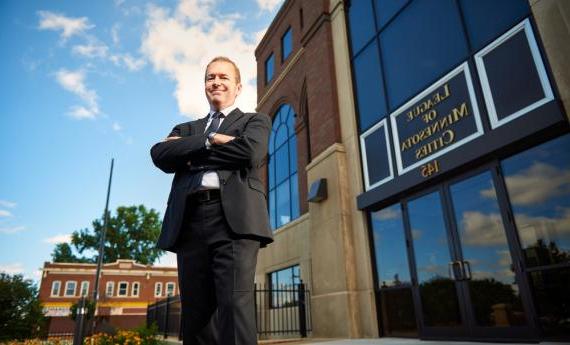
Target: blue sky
x=83, y=82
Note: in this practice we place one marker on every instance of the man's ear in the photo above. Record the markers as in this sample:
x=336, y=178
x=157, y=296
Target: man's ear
x=238, y=91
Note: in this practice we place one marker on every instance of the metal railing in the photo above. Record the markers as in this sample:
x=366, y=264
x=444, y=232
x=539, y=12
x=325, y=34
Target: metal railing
x=167, y=316
x=282, y=311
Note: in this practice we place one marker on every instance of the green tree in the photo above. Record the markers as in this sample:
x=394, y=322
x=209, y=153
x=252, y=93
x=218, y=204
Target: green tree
x=21, y=313
x=131, y=234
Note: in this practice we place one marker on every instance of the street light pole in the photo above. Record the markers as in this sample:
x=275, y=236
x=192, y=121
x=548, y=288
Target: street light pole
x=102, y=246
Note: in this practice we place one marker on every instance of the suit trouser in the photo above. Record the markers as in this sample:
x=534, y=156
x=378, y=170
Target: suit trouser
x=216, y=271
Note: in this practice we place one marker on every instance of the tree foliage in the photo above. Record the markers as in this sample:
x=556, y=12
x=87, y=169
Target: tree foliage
x=21, y=315
x=131, y=234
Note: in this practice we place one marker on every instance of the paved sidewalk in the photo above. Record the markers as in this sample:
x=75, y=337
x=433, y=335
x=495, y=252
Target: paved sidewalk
x=376, y=341
x=389, y=341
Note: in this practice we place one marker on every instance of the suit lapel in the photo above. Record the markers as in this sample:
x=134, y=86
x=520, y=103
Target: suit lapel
x=231, y=118
x=199, y=126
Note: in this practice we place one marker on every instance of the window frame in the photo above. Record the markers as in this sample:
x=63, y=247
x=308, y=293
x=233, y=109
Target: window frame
x=138, y=289
x=158, y=289
x=126, y=294
x=284, y=116
x=295, y=287
x=67, y=283
x=288, y=32
x=84, y=283
x=267, y=78
x=170, y=293
x=57, y=294
x=112, y=290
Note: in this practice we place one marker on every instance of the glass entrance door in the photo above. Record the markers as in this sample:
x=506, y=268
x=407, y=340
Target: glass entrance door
x=436, y=292
x=488, y=276
x=467, y=283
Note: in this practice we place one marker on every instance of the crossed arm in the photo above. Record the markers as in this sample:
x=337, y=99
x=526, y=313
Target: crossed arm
x=227, y=152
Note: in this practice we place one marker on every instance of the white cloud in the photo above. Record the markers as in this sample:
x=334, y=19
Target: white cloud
x=180, y=44
x=91, y=50
x=127, y=60
x=259, y=36
x=4, y=213
x=535, y=185
x=74, y=82
x=6, y=203
x=268, y=5
x=12, y=230
x=117, y=127
x=62, y=238
x=115, y=34
x=68, y=26
x=13, y=268
x=168, y=260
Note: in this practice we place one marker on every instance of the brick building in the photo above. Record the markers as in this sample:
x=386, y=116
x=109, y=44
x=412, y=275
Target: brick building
x=125, y=290
x=441, y=129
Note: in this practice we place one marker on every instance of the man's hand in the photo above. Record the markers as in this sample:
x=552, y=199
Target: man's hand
x=219, y=139
x=171, y=138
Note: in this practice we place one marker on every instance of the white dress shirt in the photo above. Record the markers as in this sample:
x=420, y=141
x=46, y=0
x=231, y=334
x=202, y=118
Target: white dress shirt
x=211, y=180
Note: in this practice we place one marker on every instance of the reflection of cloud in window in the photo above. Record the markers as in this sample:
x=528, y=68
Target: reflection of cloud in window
x=535, y=185
x=481, y=229
x=416, y=234
x=387, y=214
x=532, y=229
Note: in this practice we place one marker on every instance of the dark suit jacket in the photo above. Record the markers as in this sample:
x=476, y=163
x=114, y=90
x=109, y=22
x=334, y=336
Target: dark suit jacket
x=237, y=163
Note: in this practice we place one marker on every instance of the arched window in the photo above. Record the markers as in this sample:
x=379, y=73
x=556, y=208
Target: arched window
x=283, y=181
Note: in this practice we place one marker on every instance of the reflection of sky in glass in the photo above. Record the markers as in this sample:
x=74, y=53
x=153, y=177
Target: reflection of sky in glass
x=390, y=247
x=285, y=281
x=538, y=184
x=430, y=238
x=481, y=229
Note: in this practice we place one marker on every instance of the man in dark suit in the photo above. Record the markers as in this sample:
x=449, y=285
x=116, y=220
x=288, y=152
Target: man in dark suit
x=216, y=218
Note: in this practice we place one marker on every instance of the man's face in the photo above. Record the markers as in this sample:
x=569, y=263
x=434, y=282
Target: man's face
x=221, y=86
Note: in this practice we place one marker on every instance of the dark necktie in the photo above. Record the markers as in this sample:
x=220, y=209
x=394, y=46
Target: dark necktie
x=215, y=123
x=196, y=179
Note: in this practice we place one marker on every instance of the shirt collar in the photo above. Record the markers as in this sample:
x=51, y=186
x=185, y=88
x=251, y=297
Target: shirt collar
x=225, y=111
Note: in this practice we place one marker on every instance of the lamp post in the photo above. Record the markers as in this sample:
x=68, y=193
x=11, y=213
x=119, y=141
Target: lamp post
x=102, y=247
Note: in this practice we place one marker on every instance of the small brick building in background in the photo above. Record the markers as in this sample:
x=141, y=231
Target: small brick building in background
x=126, y=288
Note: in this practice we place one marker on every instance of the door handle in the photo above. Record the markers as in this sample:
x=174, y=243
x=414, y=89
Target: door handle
x=451, y=268
x=464, y=264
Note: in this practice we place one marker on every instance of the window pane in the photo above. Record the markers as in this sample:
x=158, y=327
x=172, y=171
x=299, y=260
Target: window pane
x=283, y=204
x=361, y=23
x=386, y=9
x=390, y=247
x=369, y=88
x=282, y=164
x=269, y=65
x=289, y=119
x=377, y=156
x=287, y=44
x=272, y=214
x=488, y=19
x=281, y=136
x=294, y=197
x=438, y=294
x=283, y=286
x=538, y=184
x=293, y=154
x=84, y=288
x=271, y=168
x=55, y=288
x=70, y=290
x=418, y=48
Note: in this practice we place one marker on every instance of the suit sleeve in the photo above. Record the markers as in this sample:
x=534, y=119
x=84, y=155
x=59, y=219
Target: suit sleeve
x=170, y=156
x=247, y=150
